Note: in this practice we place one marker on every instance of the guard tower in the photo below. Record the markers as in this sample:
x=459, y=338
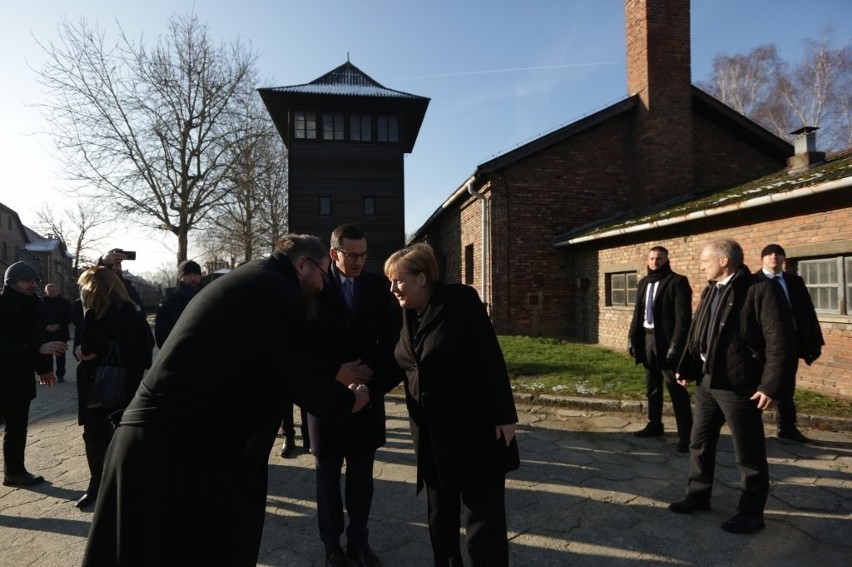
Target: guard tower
x=346, y=136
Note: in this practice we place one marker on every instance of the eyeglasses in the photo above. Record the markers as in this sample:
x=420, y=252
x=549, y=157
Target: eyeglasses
x=352, y=256
x=315, y=263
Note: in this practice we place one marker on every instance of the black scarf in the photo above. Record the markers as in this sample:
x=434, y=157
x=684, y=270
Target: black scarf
x=656, y=275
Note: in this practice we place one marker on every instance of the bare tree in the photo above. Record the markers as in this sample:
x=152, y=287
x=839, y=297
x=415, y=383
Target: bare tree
x=77, y=227
x=149, y=127
x=254, y=217
x=816, y=92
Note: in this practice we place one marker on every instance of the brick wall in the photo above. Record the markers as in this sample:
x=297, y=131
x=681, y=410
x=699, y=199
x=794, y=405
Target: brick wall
x=832, y=373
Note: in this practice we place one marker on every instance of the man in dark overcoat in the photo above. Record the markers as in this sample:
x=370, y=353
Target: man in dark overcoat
x=740, y=352
x=809, y=339
x=23, y=353
x=185, y=477
x=361, y=322
x=170, y=308
x=56, y=316
x=657, y=338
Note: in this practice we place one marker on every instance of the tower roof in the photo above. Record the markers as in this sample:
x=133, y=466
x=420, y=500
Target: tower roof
x=345, y=88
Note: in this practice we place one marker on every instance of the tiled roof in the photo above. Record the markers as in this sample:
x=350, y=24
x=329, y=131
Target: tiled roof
x=346, y=80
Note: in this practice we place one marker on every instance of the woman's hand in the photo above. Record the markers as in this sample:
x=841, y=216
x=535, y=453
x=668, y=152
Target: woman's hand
x=507, y=431
x=78, y=354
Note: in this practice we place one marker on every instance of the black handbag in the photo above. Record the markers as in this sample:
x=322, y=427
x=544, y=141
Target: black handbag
x=109, y=382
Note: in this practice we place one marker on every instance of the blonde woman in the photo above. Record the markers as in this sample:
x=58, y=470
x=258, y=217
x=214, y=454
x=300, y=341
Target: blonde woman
x=109, y=315
x=461, y=408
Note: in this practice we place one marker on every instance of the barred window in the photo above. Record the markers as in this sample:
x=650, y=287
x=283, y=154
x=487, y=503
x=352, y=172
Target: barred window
x=829, y=282
x=332, y=126
x=305, y=125
x=621, y=288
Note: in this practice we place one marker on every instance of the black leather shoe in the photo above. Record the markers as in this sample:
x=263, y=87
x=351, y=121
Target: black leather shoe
x=689, y=504
x=22, y=479
x=793, y=435
x=87, y=499
x=744, y=523
x=288, y=446
x=334, y=556
x=362, y=555
x=683, y=446
x=60, y=378
x=651, y=430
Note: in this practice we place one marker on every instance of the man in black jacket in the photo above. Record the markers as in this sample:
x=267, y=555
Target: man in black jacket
x=56, y=316
x=357, y=318
x=189, y=284
x=185, y=478
x=23, y=353
x=809, y=339
x=740, y=352
x=657, y=338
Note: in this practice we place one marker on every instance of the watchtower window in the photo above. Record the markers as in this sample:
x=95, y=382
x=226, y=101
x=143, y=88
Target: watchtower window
x=305, y=125
x=388, y=128
x=332, y=126
x=360, y=128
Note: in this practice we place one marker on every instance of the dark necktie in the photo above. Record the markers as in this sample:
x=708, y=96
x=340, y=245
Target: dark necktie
x=714, y=308
x=649, y=304
x=348, y=296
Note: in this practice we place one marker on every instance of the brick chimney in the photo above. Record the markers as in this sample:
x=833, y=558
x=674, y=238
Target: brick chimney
x=805, y=148
x=658, y=70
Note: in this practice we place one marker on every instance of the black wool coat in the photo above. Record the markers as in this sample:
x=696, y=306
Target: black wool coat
x=120, y=324
x=754, y=348
x=20, y=339
x=369, y=335
x=55, y=311
x=809, y=340
x=672, y=317
x=185, y=478
x=169, y=310
x=457, y=389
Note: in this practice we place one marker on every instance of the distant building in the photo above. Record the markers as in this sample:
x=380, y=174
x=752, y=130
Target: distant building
x=346, y=136
x=554, y=233
x=49, y=256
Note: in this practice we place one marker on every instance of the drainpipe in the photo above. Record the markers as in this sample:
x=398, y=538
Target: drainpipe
x=486, y=214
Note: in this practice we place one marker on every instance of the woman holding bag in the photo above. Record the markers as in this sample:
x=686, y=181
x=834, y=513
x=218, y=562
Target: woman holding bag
x=461, y=408
x=110, y=322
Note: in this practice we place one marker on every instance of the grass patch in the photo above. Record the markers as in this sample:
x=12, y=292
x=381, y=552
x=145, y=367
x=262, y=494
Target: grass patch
x=553, y=366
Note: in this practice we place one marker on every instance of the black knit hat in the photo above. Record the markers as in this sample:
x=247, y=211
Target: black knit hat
x=772, y=249
x=19, y=271
x=188, y=267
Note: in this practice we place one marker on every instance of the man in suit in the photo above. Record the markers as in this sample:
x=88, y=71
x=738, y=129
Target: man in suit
x=356, y=319
x=56, y=316
x=657, y=337
x=740, y=353
x=809, y=339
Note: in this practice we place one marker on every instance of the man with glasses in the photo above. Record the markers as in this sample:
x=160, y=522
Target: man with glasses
x=357, y=319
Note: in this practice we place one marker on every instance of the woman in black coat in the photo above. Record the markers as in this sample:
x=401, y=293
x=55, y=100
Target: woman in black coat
x=110, y=315
x=461, y=408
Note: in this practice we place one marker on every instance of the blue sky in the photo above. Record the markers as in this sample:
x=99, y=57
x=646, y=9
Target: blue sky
x=499, y=72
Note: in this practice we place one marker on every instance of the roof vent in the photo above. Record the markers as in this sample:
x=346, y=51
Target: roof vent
x=805, y=148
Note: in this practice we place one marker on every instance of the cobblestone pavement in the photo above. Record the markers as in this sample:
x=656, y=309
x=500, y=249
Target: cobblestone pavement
x=588, y=493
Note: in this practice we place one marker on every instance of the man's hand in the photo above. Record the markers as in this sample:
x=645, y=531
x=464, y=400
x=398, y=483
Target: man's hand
x=682, y=381
x=53, y=347
x=507, y=431
x=631, y=351
x=362, y=396
x=763, y=401
x=47, y=379
x=353, y=373
x=52, y=328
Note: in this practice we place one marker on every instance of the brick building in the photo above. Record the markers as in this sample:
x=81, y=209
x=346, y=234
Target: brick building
x=555, y=231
